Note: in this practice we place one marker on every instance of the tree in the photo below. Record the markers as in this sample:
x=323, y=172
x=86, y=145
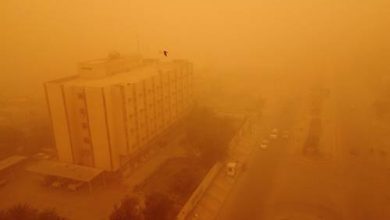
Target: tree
x=209, y=133
x=130, y=209
x=158, y=206
x=25, y=212
x=186, y=180
x=49, y=215
x=10, y=139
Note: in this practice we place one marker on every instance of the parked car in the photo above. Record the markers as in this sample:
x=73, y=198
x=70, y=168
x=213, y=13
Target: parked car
x=231, y=169
x=48, y=180
x=285, y=135
x=75, y=186
x=60, y=182
x=42, y=156
x=264, y=144
x=274, y=133
x=57, y=184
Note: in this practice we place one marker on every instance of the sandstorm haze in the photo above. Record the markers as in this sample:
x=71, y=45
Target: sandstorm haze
x=42, y=40
x=252, y=109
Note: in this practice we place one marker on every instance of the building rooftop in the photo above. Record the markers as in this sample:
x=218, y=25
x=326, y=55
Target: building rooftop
x=133, y=74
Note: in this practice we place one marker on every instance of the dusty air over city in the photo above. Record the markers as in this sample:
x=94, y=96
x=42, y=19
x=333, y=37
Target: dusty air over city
x=194, y=110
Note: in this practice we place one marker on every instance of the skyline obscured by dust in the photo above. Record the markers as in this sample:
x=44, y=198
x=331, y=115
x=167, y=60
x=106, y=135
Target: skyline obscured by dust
x=45, y=39
x=286, y=104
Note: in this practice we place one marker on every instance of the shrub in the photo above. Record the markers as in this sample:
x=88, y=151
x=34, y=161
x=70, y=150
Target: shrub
x=26, y=212
x=130, y=209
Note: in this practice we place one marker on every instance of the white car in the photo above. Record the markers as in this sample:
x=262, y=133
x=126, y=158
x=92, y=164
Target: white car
x=75, y=186
x=264, y=144
x=231, y=168
x=274, y=133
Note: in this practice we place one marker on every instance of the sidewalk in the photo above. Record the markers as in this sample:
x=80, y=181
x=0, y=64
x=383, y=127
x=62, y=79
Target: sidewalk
x=213, y=199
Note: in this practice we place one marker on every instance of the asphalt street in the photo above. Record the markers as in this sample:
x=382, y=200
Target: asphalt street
x=346, y=179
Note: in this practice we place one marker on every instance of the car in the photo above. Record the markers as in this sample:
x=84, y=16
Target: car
x=48, y=180
x=75, y=186
x=57, y=184
x=274, y=133
x=285, y=135
x=42, y=156
x=60, y=182
x=264, y=144
x=231, y=168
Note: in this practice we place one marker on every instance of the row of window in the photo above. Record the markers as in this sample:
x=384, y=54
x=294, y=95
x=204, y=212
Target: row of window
x=84, y=122
x=151, y=129
x=141, y=96
x=157, y=101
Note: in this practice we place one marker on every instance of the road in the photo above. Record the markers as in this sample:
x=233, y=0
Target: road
x=348, y=179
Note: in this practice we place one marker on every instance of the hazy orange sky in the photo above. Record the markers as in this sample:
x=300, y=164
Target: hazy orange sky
x=44, y=39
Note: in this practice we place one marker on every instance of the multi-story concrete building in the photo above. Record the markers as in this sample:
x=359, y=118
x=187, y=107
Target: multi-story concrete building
x=114, y=106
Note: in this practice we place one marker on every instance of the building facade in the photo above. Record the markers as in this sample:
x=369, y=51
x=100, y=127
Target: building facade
x=115, y=106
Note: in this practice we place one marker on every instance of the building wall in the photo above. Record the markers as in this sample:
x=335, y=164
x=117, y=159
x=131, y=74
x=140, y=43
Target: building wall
x=54, y=93
x=107, y=124
x=116, y=124
x=78, y=122
x=158, y=108
x=166, y=88
x=150, y=107
x=140, y=107
x=131, y=117
x=100, y=137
